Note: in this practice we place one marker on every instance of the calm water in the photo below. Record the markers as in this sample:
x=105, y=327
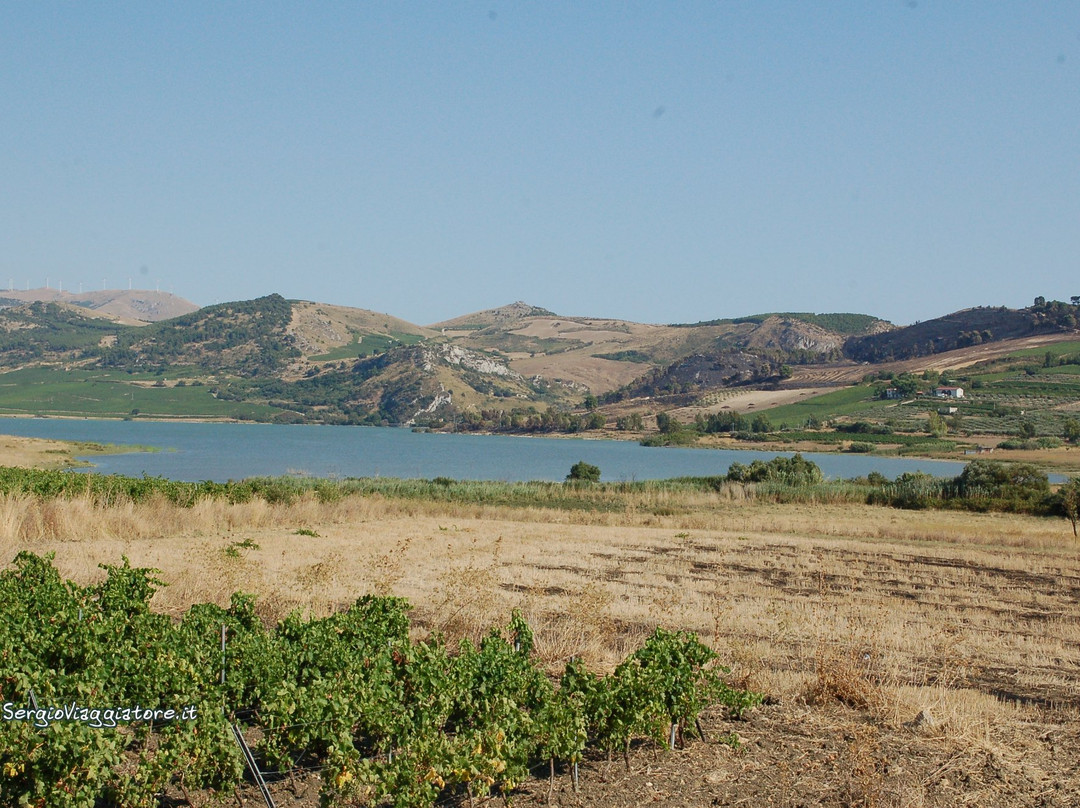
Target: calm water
x=222, y=452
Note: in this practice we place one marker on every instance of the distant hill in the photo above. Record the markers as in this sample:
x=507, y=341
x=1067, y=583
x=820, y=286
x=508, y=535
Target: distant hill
x=247, y=337
x=499, y=317
x=130, y=306
x=515, y=367
x=847, y=324
x=321, y=329
x=962, y=329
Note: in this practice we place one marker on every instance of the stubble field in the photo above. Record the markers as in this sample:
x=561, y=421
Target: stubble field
x=909, y=658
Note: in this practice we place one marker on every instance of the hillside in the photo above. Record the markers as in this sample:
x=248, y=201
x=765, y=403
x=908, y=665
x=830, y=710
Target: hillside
x=497, y=317
x=519, y=367
x=131, y=306
x=963, y=329
x=325, y=333
x=605, y=355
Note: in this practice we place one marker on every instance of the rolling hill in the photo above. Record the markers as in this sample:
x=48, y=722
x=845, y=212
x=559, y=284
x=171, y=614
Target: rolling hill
x=518, y=367
x=132, y=306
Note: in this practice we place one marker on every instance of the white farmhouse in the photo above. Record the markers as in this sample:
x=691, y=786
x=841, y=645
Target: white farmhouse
x=949, y=392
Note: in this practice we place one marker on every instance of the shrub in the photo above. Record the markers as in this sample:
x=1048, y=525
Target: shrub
x=794, y=470
x=997, y=480
x=584, y=472
x=911, y=490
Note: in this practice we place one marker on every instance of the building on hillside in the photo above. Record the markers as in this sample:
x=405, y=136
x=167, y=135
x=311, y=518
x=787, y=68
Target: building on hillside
x=949, y=392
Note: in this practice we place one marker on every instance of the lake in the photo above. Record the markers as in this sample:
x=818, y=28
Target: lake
x=220, y=452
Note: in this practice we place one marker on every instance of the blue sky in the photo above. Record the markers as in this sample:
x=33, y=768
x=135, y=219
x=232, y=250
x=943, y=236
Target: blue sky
x=658, y=162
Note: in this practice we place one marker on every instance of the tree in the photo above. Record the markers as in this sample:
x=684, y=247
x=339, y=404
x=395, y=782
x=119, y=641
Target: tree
x=956, y=422
x=794, y=470
x=761, y=423
x=590, y=402
x=1070, y=501
x=1072, y=430
x=584, y=472
x=906, y=385
x=936, y=426
x=1009, y=481
x=1026, y=430
x=666, y=424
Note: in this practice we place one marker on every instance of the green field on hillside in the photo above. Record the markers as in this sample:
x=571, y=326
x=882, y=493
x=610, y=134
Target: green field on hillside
x=368, y=344
x=999, y=397
x=53, y=391
x=859, y=401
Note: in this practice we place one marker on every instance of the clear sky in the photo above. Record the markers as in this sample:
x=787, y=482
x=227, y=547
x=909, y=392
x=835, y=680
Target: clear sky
x=652, y=161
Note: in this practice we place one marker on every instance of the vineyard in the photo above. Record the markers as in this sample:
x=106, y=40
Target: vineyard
x=219, y=698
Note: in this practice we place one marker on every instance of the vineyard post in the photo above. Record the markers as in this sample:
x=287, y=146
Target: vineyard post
x=253, y=767
x=574, y=769
x=223, y=653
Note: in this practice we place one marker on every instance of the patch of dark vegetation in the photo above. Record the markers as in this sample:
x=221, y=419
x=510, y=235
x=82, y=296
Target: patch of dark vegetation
x=963, y=329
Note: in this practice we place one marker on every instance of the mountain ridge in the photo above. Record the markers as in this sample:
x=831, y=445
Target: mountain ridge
x=127, y=305
x=298, y=360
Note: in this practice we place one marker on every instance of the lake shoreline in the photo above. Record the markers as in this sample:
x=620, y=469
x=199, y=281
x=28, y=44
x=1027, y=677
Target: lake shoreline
x=1062, y=460
x=194, y=453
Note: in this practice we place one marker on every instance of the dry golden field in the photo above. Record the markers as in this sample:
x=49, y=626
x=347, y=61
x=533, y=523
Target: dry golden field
x=910, y=658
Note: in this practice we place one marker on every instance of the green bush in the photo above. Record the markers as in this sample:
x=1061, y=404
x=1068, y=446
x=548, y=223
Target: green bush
x=794, y=470
x=983, y=485
x=584, y=472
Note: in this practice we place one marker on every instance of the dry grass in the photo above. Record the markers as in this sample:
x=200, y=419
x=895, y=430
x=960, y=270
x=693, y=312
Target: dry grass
x=971, y=619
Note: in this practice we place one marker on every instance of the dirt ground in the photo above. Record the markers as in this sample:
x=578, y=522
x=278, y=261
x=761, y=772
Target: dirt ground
x=795, y=756
x=744, y=401
x=36, y=453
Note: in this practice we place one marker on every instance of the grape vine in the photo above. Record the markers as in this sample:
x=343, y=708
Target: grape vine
x=389, y=721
